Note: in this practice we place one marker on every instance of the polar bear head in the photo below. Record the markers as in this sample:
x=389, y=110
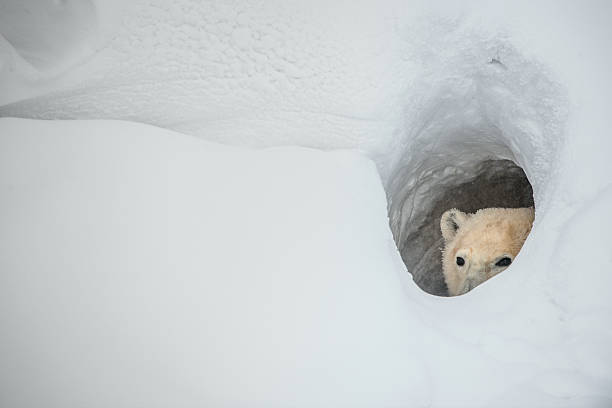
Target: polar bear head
x=481, y=245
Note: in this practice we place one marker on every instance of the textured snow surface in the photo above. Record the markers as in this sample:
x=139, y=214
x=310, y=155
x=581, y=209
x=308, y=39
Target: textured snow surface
x=140, y=266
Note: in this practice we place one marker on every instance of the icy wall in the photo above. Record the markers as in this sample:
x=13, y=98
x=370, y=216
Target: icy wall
x=432, y=94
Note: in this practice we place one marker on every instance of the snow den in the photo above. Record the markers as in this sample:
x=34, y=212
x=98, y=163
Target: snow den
x=216, y=227
x=487, y=136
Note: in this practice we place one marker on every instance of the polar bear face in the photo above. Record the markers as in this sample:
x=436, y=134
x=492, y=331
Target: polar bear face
x=481, y=245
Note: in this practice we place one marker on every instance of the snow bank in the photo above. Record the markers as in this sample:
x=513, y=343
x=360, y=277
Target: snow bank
x=145, y=267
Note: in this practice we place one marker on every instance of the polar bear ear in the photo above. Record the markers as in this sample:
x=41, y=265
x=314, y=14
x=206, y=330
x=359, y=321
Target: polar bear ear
x=450, y=223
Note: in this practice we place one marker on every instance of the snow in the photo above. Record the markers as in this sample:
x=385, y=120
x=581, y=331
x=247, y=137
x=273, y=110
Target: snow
x=153, y=266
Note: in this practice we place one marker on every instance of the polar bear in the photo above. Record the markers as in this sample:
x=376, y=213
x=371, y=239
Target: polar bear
x=479, y=246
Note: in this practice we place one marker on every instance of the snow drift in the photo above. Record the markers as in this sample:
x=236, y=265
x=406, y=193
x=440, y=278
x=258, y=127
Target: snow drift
x=141, y=266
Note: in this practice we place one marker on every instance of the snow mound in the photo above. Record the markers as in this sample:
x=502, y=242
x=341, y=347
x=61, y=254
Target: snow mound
x=149, y=268
x=176, y=271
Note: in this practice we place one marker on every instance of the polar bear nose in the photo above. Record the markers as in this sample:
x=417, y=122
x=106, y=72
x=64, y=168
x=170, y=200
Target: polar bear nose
x=468, y=285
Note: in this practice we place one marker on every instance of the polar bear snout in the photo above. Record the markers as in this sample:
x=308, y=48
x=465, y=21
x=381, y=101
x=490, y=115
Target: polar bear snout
x=475, y=274
x=469, y=285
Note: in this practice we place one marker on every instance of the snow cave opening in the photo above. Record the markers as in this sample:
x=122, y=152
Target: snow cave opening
x=489, y=182
x=484, y=136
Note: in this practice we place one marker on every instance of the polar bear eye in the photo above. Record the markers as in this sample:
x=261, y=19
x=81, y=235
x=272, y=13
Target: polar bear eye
x=460, y=261
x=504, y=262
